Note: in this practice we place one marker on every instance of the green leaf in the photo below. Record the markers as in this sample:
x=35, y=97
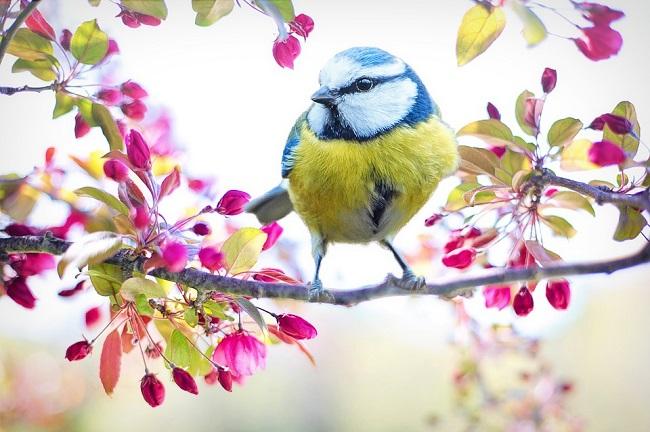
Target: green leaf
x=190, y=317
x=520, y=110
x=155, y=8
x=242, y=249
x=512, y=162
x=210, y=11
x=92, y=248
x=522, y=144
x=253, y=312
x=573, y=201
x=85, y=107
x=143, y=306
x=105, y=120
x=63, y=105
x=480, y=27
x=28, y=45
x=179, y=350
x=89, y=44
x=104, y=197
x=563, y=131
x=106, y=278
x=477, y=161
x=491, y=131
x=630, y=224
x=628, y=142
x=534, y=30
x=94, y=3
x=285, y=7
x=135, y=286
x=559, y=225
x=42, y=69
x=575, y=156
x=456, y=198
x=217, y=310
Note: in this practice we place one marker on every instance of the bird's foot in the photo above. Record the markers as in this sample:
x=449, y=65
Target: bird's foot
x=411, y=282
x=318, y=294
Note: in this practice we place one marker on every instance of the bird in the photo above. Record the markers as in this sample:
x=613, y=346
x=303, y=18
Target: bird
x=363, y=159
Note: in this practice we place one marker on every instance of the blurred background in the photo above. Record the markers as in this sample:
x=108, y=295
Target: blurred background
x=386, y=365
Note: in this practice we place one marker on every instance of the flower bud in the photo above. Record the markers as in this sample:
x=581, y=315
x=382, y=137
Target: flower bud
x=18, y=291
x=498, y=151
x=212, y=377
x=31, y=264
x=493, y=111
x=617, y=124
x=523, y=302
x=133, y=90
x=152, y=390
x=497, y=296
x=116, y=170
x=433, y=219
x=211, y=258
x=174, y=255
x=232, y=202
x=134, y=110
x=550, y=192
x=549, y=79
x=184, y=380
x=296, y=327
x=147, y=19
x=110, y=96
x=81, y=128
x=138, y=151
x=65, y=38
x=273, y=232
x=558, y=293
x=141, y=218
x=459, y=258
x=113, y=48
x=78, y=350
x=453, y=244
x=605, y=153
x=92, y=316
x=225, y=379
x=302, y=25
x=201, y=228
x=286, y=51
x=599, y=42
x=129, y=19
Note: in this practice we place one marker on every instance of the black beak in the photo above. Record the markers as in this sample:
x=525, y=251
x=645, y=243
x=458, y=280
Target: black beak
x=324, y=96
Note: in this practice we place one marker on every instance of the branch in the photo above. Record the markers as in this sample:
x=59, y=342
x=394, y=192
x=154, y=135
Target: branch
x=22, y=16
x=11, y=90
x=391, y=287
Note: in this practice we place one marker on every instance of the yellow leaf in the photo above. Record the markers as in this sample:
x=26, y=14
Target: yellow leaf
x=481, y=26
x=137, y=285
x=534, y=30
x=242, y=249
x=574, y=156
x=491, y=131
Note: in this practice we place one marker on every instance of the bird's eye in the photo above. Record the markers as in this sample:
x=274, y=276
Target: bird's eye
x=364, y=84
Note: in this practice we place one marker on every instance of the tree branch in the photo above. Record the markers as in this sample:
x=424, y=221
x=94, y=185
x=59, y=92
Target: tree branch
x=12, y=90
x=11, y=31
x=391, y=287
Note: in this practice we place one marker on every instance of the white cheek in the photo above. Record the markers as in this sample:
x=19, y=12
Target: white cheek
x=379, y=109
x=317, y=117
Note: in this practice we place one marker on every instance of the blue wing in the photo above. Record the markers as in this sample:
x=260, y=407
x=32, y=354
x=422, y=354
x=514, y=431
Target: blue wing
x=290, y=147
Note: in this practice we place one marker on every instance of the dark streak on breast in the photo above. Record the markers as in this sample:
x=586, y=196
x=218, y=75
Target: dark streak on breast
x=382, y=197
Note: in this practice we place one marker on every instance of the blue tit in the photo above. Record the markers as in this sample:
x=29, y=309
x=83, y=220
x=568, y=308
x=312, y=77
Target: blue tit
x=363, y=158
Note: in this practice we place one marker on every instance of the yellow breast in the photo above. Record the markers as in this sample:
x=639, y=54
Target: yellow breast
x=332, y=181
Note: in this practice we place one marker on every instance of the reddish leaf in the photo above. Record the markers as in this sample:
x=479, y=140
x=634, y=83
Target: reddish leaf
x=275, y=331
x=36, y=23
x=171, y=182
x=110, y=362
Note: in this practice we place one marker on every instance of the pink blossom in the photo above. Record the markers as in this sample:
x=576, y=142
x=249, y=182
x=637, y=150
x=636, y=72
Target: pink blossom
x=549, y=79
x=92, y=316
x=134, y=110
x=273, y=232
x=459, y=258
x=153, y=391
x=550, y=192
x=498, y=151
x=523, y=302
x=599, y=43
x=175, y=256
x=558, y=293
x=147, y=19
x=184, y=380
x=138, y=151
x=232, y=202
x=211, y=258
x=225, y=379
x=433, y=219
x=110, y=96
x=617, y=124
x=141, y=217
x=81, y=128
x=116, y=170
x=302, y=25
x=497, y=296
x=605, y=153
x=113, y=48
x=31, y=264
x=597, y=13
x=286, y=51
x=296, y=327
x=242, y=353
x=78, y=350
x=493, y=112
x=201, y=228
x=133, y=90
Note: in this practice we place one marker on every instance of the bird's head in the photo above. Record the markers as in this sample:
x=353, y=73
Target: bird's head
x=366, y=92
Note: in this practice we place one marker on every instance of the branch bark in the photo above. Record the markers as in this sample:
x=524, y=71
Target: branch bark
x=11, y=31
x=12, y=90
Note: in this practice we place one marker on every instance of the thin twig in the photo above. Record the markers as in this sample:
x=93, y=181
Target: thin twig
x=12, y=90
x=22, y=16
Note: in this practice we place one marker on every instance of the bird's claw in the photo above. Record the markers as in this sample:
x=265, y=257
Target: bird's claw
x=318, y=294
x=411, y=282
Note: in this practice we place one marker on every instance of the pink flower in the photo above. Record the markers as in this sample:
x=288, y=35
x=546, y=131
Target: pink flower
x=232, y=202
x=558, y=293
x=129, y=19
x=549, y=79
x=133, y=90
x=201, y=228
x=78, y=350
x=497, y=150
x=453, y=244
x=141, y=217
x=110, y=96
x=433, y=219
x=147, y=19
x=273, y=232
x=92, y=316
x=286, y=51
x=296, y=327
x=184, y=380
x=174, y=255
x=242, y=353
x=497, y=296
x=617, y=124
x=31, y=264
x=599, y=43
x=134, y=110
x=493, y=112
x=523, y=302
x=116, y=170
x=18, y=291
x=138, y=151
x=302, y=25
x=597, y=13
x=459, y=258
x=19, y=230
x=605, y=153
x=550, y=192
x=113, y=48
x=211, y=258
x=65, y=38
x=152, y=390
x=81, y=128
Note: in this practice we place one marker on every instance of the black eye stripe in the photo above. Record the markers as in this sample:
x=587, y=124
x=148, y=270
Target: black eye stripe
x=352, y=87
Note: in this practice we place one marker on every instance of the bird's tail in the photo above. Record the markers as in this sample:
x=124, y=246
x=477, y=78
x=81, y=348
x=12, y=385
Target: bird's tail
x=272, y=206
